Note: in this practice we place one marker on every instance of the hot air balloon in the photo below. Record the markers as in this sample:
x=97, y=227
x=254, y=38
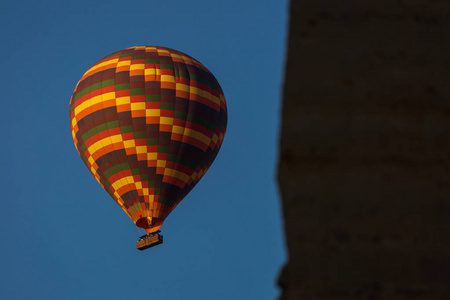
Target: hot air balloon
x=148, y=122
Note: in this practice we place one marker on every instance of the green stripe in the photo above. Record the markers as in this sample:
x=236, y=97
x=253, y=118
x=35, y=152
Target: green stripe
x=99, y=128
x=205, y=81
x=126, y=54
x=209, y=81
x=111, y=55
x=182, y=161
x=200, y=121
x=166, y=66
x=140, y=135
x=163, y=149
x=152, y=98
x=152, y=142
x=93, y=87
x=136, y=92
x=168, y=106
x=126, y=129
x=152, y=61
x=194, y=119
x=115, y=169
x=182, y=74
x=180, y=115
x=122, y=86
x=166, y=201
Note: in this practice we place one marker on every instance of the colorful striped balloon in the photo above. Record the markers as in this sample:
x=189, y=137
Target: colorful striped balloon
x=148, y=122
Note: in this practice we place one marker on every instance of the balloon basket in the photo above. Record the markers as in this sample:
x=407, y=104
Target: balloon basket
x=149, y=240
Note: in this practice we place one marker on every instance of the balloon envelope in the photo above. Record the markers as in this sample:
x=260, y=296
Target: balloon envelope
x=148, y=122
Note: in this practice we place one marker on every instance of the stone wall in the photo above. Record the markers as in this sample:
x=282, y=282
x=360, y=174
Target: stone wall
x=364, y=169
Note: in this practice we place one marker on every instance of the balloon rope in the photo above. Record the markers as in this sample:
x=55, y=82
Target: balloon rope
x=138, y=231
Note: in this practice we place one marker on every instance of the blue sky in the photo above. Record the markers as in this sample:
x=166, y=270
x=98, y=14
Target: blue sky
x=62, y=236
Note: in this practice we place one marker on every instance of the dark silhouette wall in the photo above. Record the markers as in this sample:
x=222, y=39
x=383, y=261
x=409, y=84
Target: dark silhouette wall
x=364, y=168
